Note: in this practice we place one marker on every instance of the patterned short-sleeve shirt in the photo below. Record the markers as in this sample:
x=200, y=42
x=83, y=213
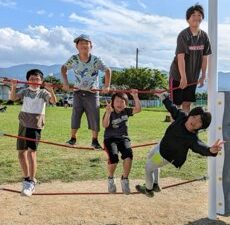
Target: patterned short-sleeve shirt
x=86, y=73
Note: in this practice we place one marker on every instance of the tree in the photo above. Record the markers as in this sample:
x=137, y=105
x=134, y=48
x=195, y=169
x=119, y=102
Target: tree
x=202, y=95
x=53, y=80
x=140, y=78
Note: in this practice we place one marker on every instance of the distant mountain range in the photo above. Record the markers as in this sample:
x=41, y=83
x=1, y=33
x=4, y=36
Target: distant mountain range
x=19, y=72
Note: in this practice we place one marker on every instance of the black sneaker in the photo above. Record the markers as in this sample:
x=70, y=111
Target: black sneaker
x=142, y=189
x=95, y=144
x=72, y=141
x=156, y=187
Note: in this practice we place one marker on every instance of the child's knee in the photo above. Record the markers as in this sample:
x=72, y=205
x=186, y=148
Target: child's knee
x=127, y=154
x=22, y=153
x=113, y=159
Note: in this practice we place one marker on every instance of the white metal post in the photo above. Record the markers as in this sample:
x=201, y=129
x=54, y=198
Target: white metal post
x=212, y=94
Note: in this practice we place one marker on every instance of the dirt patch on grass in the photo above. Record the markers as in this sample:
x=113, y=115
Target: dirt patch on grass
x=186, y=204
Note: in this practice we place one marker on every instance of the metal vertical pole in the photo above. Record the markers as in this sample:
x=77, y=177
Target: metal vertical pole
x=212, y=94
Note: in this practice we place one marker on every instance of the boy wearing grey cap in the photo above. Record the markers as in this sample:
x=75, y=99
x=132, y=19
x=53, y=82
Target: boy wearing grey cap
x=86, y=68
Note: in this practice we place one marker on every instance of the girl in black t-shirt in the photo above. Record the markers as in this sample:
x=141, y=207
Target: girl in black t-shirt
x=116, y=137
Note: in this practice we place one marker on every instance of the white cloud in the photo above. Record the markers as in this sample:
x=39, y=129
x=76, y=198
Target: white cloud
x=142, y=4
x=227, y=20
x=41, y=12
x=224, y=46
x=127, y=30
x=37, y=45
x=116, y=32
x=83, y=3
x=79, y=19
x=7, y=3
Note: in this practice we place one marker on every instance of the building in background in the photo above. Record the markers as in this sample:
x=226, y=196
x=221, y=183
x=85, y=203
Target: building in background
x=4, y=92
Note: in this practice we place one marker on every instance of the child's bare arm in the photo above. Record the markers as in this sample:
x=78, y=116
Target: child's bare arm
x=65, y=79
x=181, y=67
x=106, y=87
x=49, y=88
x=203, y=71
x=13, y=96
x=137, y=107
x=106, y=118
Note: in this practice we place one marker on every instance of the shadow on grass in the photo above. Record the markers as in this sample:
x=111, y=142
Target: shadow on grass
x=206, y=221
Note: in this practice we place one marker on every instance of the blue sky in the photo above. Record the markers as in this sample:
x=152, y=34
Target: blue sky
x=43, y=31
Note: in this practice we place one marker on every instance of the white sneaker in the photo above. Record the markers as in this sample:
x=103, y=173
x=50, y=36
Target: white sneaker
x=28, y=188
x=111, y=185
x=125, y=186
x=25, y=184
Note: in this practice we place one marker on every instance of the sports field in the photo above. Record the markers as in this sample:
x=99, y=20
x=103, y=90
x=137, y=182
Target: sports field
x=68, y=165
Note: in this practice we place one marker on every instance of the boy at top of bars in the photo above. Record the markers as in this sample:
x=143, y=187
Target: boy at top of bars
x=191, y=58
x=86, y=68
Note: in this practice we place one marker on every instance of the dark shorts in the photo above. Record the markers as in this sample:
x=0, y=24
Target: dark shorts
x=179, y=96
x=115, y=145
x=85, y=101
x=29, y=133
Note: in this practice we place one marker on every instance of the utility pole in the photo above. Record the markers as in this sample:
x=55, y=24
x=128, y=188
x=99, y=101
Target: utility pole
x=137, y=51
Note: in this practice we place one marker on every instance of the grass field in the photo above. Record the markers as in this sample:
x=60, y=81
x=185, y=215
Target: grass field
x=65, y=164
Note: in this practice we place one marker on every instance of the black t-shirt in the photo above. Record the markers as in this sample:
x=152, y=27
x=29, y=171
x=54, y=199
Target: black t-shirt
x=194, y=48
x=118, y=127
x=178, y=140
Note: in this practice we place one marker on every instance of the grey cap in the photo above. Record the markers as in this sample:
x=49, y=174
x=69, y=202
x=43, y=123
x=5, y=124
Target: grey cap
x=82, y=37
